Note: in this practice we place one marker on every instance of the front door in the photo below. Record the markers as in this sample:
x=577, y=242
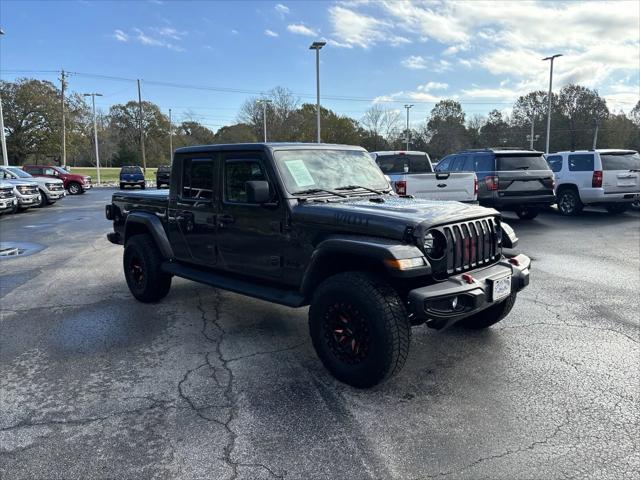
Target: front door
x=192, y=213
x=250, y=236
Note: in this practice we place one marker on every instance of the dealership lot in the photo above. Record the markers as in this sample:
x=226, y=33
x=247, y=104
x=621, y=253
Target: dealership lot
x=209, y=384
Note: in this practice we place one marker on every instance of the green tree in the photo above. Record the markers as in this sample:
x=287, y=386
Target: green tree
x=446, y=130
x=238, y=133
x=582, y=109
x=495, y=131
x=191, y=132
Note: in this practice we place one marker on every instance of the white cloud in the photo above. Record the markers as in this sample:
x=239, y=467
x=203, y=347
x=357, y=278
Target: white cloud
x=301, y=29
x=234, y=31
x=169, y=32
x=270, y=33
x=282, y=9
x=427, y=87
x=357, y=29
x=120, y=36
x=414, y=62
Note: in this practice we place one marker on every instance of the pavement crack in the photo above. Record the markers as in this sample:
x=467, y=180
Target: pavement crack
x=267, y=352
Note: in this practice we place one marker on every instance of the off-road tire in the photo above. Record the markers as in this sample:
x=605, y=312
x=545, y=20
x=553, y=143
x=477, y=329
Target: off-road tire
x=75, y=188
x=617, y=208
x=527, y=213
x=382, y=326
x=569, y=202
x=489, y=316
x=141, y=262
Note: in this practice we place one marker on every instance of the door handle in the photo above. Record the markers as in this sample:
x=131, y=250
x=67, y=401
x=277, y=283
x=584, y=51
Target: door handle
x=225, y=219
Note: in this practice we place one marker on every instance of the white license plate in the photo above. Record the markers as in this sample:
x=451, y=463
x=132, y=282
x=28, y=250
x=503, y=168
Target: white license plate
x=501, y=288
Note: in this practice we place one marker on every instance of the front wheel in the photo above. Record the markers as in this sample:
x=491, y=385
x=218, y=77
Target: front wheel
x=569, y=202
x=617, y=208
x=489, y=316
x=143, y=186
x=359, y=328
x=636, y=204
x=527, y=213
x=75, y=188
x=43, y=200
x=142, y=269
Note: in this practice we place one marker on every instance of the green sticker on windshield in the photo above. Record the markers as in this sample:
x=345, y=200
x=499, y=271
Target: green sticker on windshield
x=299, y=172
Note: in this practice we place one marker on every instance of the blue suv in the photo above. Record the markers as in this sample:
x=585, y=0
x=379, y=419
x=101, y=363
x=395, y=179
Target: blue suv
x=508, y=179
x=131, y=176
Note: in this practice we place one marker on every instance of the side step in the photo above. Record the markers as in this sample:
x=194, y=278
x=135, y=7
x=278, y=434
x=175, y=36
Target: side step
x=277, y=295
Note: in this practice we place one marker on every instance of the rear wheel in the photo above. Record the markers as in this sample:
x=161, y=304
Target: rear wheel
x=527, y=213
x=489, y=316
x=636, y=204
x=75, y=188
x=616, y=208
x=569, y=202
x=359, y=328
x=142, y=269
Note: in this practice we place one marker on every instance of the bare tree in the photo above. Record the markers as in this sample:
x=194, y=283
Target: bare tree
x=280, y=114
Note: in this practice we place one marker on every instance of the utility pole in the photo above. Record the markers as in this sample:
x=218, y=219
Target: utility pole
x=317, y=46
x=3, y=140
x=64, y=121
x=264, y=103
x=95, y=129
x=144, y=159
x=170, y=138
x=408, y=107
x=595, y=135
x=533, y=119
x=551, y=58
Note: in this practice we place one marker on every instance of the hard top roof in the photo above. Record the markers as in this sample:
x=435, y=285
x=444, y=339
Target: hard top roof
x=272, y=146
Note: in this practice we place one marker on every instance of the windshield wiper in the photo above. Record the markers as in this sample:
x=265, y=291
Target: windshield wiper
x=355, y=187
x=320, y=190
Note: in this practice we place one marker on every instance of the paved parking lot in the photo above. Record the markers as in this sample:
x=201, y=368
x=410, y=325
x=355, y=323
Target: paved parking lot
x=209, y=384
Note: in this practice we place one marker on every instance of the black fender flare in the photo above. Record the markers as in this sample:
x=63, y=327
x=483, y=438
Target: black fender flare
x=376, y=249
x=153, y=225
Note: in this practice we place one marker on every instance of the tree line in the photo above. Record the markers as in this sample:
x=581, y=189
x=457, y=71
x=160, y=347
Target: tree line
x=33, y=126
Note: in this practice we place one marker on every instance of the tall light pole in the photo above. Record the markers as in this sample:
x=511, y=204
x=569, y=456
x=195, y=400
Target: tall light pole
x=95, y=129
x=408, y=107
x=533, y=120
x=170, y=138
x=551, y=58
x=5, y=157
x=317, y=46
x=264, y=102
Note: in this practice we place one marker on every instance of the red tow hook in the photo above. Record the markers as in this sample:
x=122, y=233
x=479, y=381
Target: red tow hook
x=468, y=278
x=514, y=261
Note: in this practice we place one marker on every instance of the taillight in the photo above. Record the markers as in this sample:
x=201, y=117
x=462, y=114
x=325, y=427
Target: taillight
x=492, y=183
x=549, y=183
x=475, y=186
x=596, y=180
x=401, y=187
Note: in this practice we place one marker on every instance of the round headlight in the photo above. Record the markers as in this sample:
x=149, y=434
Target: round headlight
x=434, y=244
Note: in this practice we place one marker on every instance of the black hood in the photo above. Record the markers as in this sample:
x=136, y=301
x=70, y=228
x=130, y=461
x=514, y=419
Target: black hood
x=389, y=218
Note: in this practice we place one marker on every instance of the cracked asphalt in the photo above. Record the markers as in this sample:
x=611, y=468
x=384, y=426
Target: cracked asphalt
x=209, y=384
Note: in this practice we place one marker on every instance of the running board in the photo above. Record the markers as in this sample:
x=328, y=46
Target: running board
x=277, y=295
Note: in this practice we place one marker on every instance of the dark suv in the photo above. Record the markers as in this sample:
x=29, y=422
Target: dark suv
x=163, y=174
x=508, y=179
x=132, y=176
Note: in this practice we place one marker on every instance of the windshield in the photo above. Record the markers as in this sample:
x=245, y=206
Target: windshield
x=131, y=170
x=313, y=169
x=61, y=170
x=521, y=162
x=18, y=172
x=620, y=161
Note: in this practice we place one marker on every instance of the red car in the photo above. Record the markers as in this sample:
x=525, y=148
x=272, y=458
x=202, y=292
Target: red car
x=74, y=183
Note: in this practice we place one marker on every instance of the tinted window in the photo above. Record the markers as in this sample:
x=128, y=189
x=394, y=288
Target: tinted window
x=555, y=162
x=237, y=174
x=419, y=164
x=469, y=164
x=457, y=163
x=164, y=169
x=392, y=164
x=33, y=170
x=521, y=162
x=443, y=165
x=49, y=171
x=582, y=162
x=483, y=163
x=620, y=161
x=197, y=178
x=131, y=170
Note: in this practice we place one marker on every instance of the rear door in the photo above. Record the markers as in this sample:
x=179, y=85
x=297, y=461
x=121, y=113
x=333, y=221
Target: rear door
x=523, y=175
x=581, y=167
x=620, y=171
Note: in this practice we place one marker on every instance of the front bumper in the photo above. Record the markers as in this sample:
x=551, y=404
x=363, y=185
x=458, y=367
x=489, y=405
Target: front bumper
x=54, y=195
x=8, y=204
x=432, y=304
x=28, y=200
x=86, y=186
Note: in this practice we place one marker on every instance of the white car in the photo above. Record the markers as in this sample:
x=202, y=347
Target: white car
x=50, y=189
x=411, y=173
x=8, y=200
x=610, y=178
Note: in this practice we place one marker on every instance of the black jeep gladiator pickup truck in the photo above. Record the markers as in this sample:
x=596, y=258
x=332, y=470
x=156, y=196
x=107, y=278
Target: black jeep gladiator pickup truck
x=318, y=225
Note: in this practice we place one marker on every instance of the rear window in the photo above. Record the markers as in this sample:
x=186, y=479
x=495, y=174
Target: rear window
x=131, y=170
x=164, y=169
x=521, y=162
x=620, y=161
x=396, y=164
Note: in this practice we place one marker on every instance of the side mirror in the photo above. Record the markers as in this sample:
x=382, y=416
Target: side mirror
x=258, y=191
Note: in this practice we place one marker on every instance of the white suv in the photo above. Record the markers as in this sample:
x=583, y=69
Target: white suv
x=610, y=178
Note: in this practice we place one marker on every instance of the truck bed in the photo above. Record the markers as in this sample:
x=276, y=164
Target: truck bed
x=459, y=186
x=149, y=200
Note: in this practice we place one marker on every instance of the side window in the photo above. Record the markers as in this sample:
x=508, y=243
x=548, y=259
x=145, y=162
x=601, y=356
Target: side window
x=197, y=179
x=443, y=165
x=581, y=162
x=33, y=170
x=456, y=164
x=419, y=165
x=49, y=171
x=555, y=162
x=483, y=163
x=469, y=164
x=236, y=174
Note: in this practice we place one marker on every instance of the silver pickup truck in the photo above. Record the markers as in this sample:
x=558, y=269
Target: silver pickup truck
x=411, y=173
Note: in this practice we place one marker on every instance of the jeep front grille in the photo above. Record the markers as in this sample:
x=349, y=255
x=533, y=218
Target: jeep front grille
x=471, y=244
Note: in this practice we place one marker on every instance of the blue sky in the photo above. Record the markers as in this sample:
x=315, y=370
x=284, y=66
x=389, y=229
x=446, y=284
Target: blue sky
x=484, y=54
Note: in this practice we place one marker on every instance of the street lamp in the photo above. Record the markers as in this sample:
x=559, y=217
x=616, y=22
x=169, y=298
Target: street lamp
x=551, y=58
x=170, y=138
x=3, y=140
x=95, y=129
x=264, y=103
x=408, y=107
x=317, y=46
